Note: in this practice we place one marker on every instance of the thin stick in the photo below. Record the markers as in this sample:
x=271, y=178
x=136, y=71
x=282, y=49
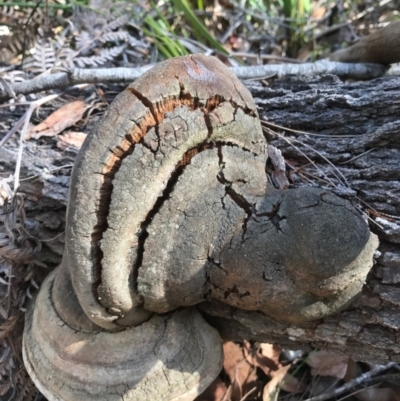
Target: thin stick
x=14, y=129
x=248, y=394
x=305, y=132
x=303, y=154
x=30, y=177
x=326, y=159
x=319, y=154
x=365, y=377
x=76, y=76
x=358, y=156
x=26, y=118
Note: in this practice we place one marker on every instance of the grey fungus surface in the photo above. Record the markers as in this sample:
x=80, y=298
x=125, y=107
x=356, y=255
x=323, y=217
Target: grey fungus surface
x=169, y=207
x=170, y=357
x=131, y=162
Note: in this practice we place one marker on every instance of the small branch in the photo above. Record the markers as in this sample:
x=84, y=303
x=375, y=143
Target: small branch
x=76, y=76
x=61, y=80
x=365, y=377
x=343, y=70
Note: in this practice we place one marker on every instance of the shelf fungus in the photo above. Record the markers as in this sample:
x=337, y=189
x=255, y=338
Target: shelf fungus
x=169, y=207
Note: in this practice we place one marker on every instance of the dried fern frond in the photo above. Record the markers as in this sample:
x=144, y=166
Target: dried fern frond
x=17, y=33
x=115, y=37
x=117, y=23
x=84, y=42
x=17, y=253
x=26, y=389
x=96, y=29
x=44, y=56
x=13, y=76
x=89, y=38
x=103, y=57
x=118, y=9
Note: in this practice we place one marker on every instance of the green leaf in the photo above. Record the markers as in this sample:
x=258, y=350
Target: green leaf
x=287, y=8
x=166, y=45
x=200, y=31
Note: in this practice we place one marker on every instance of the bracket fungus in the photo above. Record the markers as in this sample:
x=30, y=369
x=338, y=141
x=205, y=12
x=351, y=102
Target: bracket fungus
x=169, y=207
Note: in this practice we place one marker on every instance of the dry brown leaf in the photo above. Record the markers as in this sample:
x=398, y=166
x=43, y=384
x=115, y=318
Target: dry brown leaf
x=293, y=385
x=375, y=394
x=325, y=364
x=214, y=392
x=241, y=373
x=56, y=122
x=71, y=138
x=266, y=358
x=304, y=54
x=271, y=389
x=318, y=12
x=353, y=370
x=271, y=351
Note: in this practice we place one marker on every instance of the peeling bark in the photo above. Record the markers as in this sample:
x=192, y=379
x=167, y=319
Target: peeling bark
x=361, y=138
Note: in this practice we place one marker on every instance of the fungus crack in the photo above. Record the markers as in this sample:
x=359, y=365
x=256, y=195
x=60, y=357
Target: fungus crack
x=235, y=290
x=143, y=231
x=208, y=295
x=216, y=263
x=239, y=199
x=158, y=112
x=146, y=102
x=274, y=216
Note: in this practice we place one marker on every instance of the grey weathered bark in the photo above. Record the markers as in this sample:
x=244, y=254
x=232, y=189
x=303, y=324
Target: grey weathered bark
x=359, y=133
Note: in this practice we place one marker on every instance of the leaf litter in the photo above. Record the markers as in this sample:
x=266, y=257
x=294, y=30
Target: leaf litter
x=59, y=120
x=261, y=372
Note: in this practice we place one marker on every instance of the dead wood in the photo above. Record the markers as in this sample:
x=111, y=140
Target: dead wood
x=359, y=134
x=78, y=76
x=382, y=46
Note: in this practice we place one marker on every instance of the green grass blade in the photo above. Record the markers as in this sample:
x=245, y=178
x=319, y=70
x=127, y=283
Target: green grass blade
x=162, y=18
x=201, y=32
x=287, y=8
x=167, y=46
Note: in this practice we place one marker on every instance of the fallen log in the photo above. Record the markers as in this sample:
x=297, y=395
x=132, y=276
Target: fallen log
x=343, y=137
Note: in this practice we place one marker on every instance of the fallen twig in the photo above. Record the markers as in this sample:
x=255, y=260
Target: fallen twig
x=26, y=119
x=365, y=377
x=76, y=76
x=343, y=70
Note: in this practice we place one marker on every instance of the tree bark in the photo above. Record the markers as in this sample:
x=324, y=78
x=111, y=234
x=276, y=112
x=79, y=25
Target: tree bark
x=356, y=153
